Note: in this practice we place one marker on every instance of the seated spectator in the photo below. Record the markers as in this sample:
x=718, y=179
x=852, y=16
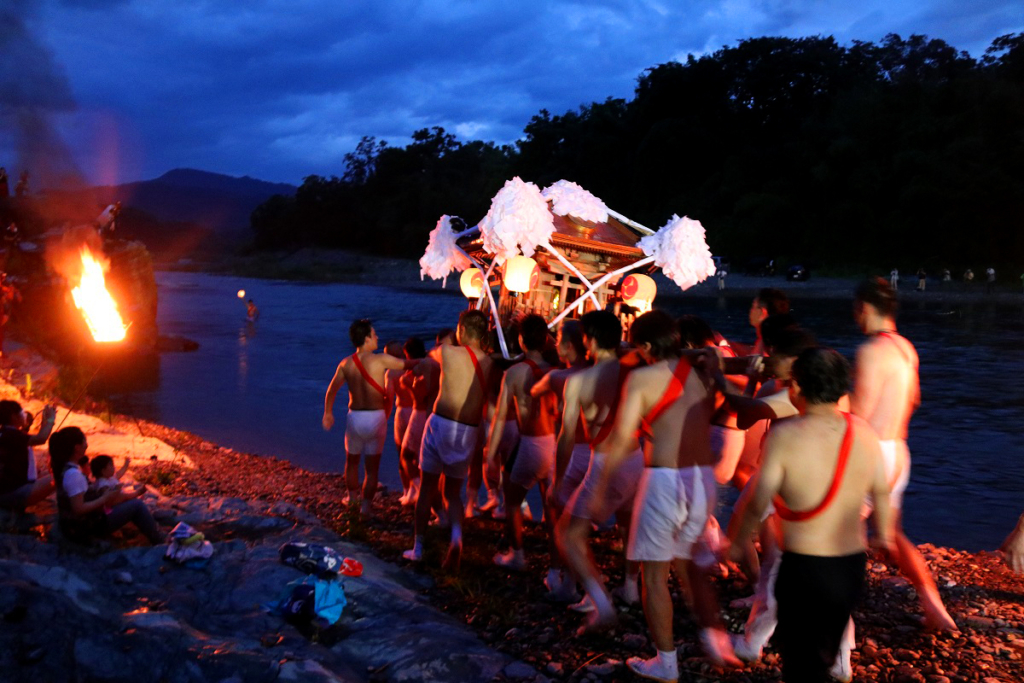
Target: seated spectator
x=20, y=485
x=82, y=519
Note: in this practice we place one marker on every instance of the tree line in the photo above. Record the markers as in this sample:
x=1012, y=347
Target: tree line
x=902, y=151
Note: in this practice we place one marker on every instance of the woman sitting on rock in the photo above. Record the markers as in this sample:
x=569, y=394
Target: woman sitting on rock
x=82, y=519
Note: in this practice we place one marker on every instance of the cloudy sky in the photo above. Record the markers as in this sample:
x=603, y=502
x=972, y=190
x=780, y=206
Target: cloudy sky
x=280, y=89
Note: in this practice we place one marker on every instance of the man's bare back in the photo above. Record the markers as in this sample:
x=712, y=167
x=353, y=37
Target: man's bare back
x=886, y=390
x=535, y=415
x=461, y=396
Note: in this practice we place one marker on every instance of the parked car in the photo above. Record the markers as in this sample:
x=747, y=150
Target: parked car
x=797, y=273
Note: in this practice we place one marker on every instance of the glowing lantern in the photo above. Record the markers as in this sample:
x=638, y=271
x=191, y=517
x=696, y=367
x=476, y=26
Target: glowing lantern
x=97, y=306
x=241, y=294
x=472, y=283
x=638, y=291
x=521, y=274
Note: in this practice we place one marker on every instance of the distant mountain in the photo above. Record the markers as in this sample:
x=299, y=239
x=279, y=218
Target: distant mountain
x=219, y=203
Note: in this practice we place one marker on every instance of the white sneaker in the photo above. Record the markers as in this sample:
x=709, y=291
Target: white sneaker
x=584, y=606
x=744, y=649
x=841, y=670
x=653, y=669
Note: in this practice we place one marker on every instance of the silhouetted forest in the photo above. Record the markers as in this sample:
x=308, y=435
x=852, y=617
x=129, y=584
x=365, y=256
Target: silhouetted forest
x=869, y=153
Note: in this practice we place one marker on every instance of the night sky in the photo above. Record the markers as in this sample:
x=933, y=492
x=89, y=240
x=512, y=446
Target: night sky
x=280, y=89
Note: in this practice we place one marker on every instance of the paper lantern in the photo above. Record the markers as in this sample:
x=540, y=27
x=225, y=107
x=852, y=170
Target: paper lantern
x=639, y=290
x=472, y=283
x=521, y=274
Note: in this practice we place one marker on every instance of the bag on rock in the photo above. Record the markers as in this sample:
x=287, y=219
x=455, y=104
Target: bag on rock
x=312, y=600
x=187, y=546
x=311, y=558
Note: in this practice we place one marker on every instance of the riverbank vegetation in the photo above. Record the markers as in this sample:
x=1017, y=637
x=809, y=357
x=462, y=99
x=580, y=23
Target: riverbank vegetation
x=902, y=152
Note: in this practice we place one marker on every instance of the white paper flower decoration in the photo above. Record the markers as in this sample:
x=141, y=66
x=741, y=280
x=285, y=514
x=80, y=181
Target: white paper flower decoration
x=518, y=219
x=443, y=254
x=569, y=199
x=681, y=251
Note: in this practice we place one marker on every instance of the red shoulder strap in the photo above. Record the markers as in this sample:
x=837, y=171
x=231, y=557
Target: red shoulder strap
x=899, y=346
x=837, y=479
x=477, y=370
x=369, y=380
x=672, y=393
x=537, y=372
x=613, y=409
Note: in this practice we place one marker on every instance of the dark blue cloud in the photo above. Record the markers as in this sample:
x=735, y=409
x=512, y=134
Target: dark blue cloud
x=283, y=88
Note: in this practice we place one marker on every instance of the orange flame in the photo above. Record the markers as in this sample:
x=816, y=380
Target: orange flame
x=94, y=301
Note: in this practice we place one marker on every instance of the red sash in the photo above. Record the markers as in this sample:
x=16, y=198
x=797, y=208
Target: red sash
x=613, y=409
x=672, y=393
x=369, y=380
x=837, y=479
x=477, y=370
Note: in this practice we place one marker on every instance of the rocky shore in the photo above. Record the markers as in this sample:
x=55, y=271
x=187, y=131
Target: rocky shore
x=120, y=612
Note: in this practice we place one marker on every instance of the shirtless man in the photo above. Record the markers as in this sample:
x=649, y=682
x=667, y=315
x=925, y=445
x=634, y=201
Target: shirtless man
x=675, y=402
x=817, y=469
x=424, y=381
x=885, y=393
x=451, y=431
x=590, y=400
x=366, y=425
x=399, y=384
x=535, y=460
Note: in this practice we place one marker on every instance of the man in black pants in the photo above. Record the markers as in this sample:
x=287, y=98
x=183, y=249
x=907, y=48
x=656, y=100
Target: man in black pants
x=817, y=470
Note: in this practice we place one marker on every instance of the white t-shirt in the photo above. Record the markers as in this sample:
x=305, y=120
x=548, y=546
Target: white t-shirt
x=74, y=482
x=104, y=483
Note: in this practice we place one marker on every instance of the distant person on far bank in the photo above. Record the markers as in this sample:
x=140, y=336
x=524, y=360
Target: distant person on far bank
x=894, y=279
x=946, y=276
x=990, y=279
x=968, y=276
x=721, y=278
x=252, y=314
x=922, y=279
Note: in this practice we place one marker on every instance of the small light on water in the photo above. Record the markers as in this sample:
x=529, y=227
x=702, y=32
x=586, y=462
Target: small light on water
x=241, y=294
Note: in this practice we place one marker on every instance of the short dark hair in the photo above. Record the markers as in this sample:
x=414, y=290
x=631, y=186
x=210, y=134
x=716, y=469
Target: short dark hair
x=8, y=410
x=572, y=333
x=99, y=463
x=694, y=332
x=414, y=348
x=823, y=375
x=775, y=324
x=773, y=300
x=658, y=329
x=604, y=327
x=793, y=341
x=443, y=333
x=474, y=324
x=878, y=293
x=359, y=331
x=534, y=332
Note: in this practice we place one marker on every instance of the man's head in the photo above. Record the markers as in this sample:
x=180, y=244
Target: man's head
x=601, y=330
x=768, y=302
x=789, y=344
x=472, y=327
x=820, y=376
x=570, y=341
x=874, y=300
x=362, y=334
x=445, y=335
x=102, y=466
x=775, y=325
x=694, y=332
x=656, y=336
x=414, y=348
x=394, y=348
x=10, y=413
x=533, y=333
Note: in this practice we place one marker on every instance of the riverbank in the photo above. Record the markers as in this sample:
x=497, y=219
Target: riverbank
x=249, y=504
x=338, y=265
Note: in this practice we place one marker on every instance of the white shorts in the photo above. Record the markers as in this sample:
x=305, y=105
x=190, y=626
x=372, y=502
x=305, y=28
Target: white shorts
x=535, y=461
x=672, y=507
x=365, y=431
x=413, y=438
x=727, y=445
x=621, y=491
x=575, y=471
x=896, y=456
x=447, y=447
x=402, y=416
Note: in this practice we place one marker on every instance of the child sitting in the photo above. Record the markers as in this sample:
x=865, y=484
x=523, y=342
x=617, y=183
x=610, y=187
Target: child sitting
x=105, y=479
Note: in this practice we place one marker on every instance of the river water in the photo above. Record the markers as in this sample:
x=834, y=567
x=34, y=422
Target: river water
x=260, y=388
